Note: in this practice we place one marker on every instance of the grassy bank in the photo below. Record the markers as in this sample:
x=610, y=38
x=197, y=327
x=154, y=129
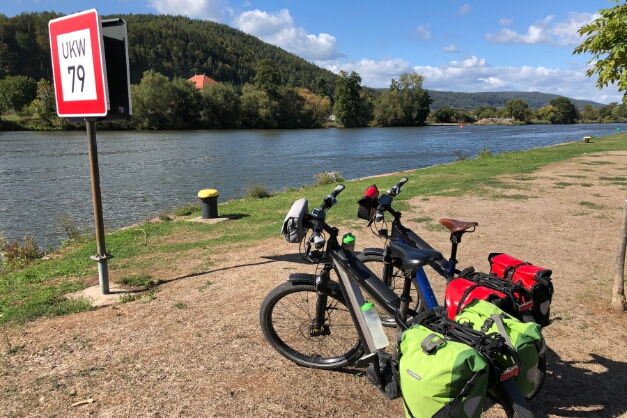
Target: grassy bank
x=153, y=252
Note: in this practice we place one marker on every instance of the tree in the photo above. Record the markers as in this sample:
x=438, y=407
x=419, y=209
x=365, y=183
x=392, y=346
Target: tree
x=483, y=112
x=414, y=101
x=518, y=109
x=44, y=105
x=17, y=92
x=618, y=290
x=445, y=114
x=606, y=40
x=565, y=111
x=589, y=113
x=267, y=78
x=349, y=105
x=221, y=106
x=316, y=108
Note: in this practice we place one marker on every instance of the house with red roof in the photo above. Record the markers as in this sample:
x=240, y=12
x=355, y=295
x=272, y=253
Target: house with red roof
x=201, y=81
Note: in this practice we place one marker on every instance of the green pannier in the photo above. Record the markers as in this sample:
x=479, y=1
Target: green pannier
x=525, y=338
x=440, y=378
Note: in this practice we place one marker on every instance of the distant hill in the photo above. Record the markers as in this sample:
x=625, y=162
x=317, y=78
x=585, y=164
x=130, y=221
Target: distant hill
x=469, y=101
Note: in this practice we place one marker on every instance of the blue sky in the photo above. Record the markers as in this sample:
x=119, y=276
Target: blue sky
x=465, y=46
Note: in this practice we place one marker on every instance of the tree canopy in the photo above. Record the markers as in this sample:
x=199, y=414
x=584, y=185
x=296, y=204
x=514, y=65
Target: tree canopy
x=606, y=40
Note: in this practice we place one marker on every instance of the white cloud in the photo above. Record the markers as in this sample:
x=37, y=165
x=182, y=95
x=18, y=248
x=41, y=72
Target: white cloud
x=375, y=73
x=463, y=9
x=452, y=48
x=475, y=75
x=505, y=22
x=279, y=29
x=546, y=31
x=204, y=9
x=422, y=32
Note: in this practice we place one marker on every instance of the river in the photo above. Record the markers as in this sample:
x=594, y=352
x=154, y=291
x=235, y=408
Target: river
x=45, y=175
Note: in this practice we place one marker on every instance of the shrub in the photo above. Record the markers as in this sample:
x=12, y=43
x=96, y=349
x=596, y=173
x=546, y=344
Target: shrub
x=15, y=256
x=484, y=152
x=328, y=177
x=257, y=191
x=460, y=156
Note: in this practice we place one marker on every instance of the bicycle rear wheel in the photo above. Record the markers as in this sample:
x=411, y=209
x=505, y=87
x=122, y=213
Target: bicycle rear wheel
x=287, y=316
x=512, y=400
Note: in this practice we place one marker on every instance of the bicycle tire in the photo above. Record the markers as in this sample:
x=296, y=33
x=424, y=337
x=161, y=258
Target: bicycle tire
x=375, y=263
x=512, y=400
x=286, y=317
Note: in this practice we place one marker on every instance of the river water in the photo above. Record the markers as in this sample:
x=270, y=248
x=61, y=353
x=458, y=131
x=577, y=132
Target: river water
x=45, y=175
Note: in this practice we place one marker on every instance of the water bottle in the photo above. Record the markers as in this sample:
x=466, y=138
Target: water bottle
x=374, y=325
x=348, y=242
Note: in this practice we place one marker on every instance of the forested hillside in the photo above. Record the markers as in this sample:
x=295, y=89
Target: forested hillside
x=470, y=101
x=170, y=45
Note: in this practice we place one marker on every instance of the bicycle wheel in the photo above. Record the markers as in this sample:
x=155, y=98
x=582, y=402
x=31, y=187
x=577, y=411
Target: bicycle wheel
x=287, y=316
x=512, y=400
x=375, y=263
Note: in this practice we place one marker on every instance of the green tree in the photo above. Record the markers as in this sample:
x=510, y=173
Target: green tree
x=350, y=108
x=17, y=92
x=565, y=111
x=267, y=78
x=258, y=110
x=445, y=114
x=44, y=106
x=589, y=113
x=387, y=109
x=606, y=39
x=316, y=108
x=483, y=112
x=620, y=113
x=518, y=109
x=221, y=106
x=414, y=100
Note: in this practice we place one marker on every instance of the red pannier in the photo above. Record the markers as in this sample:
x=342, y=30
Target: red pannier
x=537, y=280
x=368, y=203
x=461, y=291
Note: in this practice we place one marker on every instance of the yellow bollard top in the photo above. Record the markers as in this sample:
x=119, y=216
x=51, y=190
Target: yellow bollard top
x=205, y=193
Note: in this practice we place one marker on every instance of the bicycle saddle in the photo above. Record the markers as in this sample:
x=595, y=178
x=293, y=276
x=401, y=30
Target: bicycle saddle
x=413, y=258
x=457, y=226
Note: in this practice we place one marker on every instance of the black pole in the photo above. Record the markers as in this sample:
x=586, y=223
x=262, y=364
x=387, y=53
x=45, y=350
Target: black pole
x=102, y=256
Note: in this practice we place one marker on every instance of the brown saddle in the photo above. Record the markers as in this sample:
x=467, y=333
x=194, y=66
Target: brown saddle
x=458, y=226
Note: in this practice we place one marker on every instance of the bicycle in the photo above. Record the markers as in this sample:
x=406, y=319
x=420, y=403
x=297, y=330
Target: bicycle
x=316, y=322
x=385, y=262
x=391, y=269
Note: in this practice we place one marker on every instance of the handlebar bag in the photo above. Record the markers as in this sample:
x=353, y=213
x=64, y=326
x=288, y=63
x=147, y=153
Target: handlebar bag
x=524, y=337
x=439, y=377
x=292, y=227
x=462, y=291
x=368, y=203
x=537, y=280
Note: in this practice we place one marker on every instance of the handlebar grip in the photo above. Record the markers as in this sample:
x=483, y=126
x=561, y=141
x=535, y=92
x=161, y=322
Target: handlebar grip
x=337, y=190
x=400, y=183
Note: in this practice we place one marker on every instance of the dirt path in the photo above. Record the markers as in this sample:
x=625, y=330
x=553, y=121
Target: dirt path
x=197, y=350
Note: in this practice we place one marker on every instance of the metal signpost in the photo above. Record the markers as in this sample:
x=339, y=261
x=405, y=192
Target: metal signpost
x=82, y=91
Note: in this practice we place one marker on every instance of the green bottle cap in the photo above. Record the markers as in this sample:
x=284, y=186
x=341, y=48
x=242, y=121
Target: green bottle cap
x=367, y=306
x=348, y=239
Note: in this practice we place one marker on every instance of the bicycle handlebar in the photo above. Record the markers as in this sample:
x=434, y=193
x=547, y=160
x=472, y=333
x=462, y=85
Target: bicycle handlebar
x=396, y=190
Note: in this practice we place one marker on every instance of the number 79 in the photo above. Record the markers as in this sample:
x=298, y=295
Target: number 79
x=77, y=72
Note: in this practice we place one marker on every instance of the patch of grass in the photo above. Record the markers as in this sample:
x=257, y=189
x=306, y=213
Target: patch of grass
x=187, y=209
x=180, y=305
x=328, y=177
x=257, y=191
x=597, y=195
x=622, y=180
x=164, y=216
x=140, y=280
x=525, y=178
x=597, y=162
x=434, y=226
x=129, y=297
x=205, y=286
x=590, y=205
x=484, y=153
x=574, y=176
x=563, y=184
x=586, y=184
x=509, y=196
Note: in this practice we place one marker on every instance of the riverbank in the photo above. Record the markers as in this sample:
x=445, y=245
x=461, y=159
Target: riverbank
x=189, y=342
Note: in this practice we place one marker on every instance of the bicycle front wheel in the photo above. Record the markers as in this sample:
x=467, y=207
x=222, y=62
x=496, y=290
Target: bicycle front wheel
x=395, y=281
x=287, y=316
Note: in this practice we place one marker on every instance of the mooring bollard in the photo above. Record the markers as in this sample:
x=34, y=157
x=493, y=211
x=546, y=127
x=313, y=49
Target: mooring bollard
x=209, y=205
x=586, y=139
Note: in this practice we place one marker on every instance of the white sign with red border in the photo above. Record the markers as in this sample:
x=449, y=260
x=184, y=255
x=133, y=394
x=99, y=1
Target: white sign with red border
x=78, y=66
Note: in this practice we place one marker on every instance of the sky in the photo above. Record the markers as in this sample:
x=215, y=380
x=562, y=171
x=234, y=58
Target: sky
x=462, y=46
